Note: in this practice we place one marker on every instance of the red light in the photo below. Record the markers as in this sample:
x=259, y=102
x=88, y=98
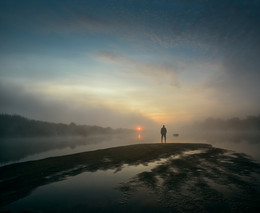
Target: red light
x=139, y=136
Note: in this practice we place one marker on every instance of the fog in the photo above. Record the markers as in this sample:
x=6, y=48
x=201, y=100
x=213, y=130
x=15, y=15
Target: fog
x=16, y=99
x=123, y=64
x=26, y=149
x=107, y=74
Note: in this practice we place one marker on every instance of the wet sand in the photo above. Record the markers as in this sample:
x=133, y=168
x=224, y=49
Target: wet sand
x=192, y=177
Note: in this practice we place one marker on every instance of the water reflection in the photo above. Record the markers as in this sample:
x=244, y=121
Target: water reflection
x=151, y=177
x=244, y=142
x=21, y=149
x=36, y=173
x=213, y=180
x=25, y=149
x=139, y=136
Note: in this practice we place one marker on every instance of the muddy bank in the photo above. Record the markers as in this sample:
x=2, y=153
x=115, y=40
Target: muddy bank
x=192, y=177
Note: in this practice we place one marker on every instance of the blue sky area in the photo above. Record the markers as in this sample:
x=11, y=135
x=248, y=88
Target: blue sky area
x=129, y=63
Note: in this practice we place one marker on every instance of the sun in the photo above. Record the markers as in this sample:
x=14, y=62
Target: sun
x=139, y=128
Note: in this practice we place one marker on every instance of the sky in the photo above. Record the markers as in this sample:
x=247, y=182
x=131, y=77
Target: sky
x=130, y=62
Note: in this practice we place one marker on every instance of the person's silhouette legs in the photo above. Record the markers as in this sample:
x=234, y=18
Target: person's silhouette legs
x=163, y=136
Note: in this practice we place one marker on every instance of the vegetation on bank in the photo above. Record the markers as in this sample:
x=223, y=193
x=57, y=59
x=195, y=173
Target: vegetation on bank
x=251, y=123
x=12, y=126
x=18, y=126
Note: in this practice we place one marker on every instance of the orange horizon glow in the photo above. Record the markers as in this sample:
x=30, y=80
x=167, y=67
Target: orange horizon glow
x=139, y=128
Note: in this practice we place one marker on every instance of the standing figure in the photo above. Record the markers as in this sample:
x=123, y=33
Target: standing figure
x=163, y=133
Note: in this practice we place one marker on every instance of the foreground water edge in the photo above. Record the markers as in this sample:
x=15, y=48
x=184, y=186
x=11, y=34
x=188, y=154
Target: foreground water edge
x=163, y=177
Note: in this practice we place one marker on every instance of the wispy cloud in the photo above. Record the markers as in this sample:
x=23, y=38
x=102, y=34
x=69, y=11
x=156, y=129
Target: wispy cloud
x=168, y=24
x=16, y=98
x=195, y=56
x=159, y=73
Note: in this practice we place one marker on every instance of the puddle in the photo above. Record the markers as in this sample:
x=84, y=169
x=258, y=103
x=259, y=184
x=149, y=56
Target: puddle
x=136, y=178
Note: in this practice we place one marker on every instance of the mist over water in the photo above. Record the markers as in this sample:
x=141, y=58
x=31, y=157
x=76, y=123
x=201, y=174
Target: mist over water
x=85, y=87
x=185, y=173
x=27, y=149
x=142, y=178
x=247, y=142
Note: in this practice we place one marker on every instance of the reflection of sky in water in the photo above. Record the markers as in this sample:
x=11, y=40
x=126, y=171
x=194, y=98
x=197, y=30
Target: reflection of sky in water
x=97, y=190
x=187, y=180
x=20, y=150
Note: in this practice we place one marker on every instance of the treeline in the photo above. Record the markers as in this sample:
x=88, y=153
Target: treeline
x=237, y=124
x=18, y=126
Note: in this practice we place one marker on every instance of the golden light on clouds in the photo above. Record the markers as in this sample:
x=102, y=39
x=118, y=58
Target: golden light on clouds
x=140, y=92
x=172, y=107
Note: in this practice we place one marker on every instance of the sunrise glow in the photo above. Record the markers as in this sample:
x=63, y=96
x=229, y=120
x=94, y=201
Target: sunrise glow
x=113, y=65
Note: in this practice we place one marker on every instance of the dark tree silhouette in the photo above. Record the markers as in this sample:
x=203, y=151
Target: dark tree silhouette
x=249, y=123
x=18, y=126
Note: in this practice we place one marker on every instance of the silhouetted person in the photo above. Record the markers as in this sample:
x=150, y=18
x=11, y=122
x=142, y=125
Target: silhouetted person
x=163, y=133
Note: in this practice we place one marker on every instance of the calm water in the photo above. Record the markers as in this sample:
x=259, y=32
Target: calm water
x=102, y=190
x=91, y=191
x=20, y=150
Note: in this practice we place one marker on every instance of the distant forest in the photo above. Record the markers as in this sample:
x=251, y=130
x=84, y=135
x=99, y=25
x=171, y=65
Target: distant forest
x=236, y=124
x=18, y=126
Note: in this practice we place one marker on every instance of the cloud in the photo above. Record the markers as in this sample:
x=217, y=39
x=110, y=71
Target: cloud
x=159, y=73
x=16, y=99
x=169, y=24
x=113, y=57
x=221, y=32
x=235, y=87
x=52, y=16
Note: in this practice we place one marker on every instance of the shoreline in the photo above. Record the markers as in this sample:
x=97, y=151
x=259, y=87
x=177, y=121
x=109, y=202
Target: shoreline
x=193, y=161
